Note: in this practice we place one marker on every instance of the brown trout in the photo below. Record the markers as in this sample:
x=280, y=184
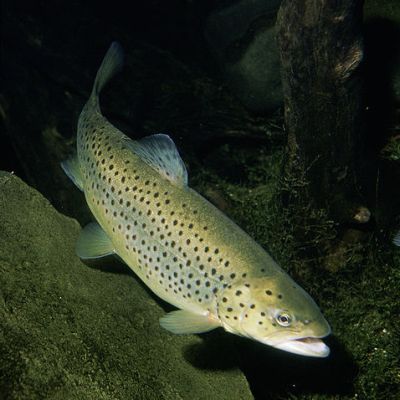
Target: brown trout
x=181, y=246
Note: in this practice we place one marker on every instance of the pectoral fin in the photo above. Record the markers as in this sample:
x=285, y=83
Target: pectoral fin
x=93, y=242
x=181, y=322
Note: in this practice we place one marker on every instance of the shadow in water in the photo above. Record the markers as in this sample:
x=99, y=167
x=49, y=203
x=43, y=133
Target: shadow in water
x=274, y=374
x=110, y=264
x=381, y=61
x=380, y=64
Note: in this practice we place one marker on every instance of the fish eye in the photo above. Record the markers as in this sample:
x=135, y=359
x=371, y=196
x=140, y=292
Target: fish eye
x=284, y=319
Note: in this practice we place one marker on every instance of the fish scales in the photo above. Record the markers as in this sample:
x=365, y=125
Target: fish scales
x=168, y=232
x=180, y=245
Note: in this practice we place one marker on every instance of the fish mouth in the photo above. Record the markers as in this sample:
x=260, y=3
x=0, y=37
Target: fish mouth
x=309, y=344
x=306, y=346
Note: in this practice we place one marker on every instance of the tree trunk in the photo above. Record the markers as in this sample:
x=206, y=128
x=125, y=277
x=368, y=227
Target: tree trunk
x=321, y=49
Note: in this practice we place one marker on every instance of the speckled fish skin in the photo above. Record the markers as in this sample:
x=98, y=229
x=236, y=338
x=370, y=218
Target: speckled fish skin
x=181, y=246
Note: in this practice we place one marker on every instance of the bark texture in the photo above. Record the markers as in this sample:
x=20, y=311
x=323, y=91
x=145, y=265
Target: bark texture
x=321, y=50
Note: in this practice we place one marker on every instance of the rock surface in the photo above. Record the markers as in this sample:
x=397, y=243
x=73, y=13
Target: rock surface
x=242, y=37
x=71, y=331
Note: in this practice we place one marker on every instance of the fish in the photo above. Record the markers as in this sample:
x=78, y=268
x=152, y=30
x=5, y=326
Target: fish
x=177, y=243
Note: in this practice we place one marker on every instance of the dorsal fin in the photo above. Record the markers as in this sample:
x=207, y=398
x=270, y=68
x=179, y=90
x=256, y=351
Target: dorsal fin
x=159, y=151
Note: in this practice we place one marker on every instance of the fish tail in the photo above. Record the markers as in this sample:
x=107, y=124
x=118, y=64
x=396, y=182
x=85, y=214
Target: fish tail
x=112, y=63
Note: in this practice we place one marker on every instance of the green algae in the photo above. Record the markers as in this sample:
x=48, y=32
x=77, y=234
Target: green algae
x=384, y=9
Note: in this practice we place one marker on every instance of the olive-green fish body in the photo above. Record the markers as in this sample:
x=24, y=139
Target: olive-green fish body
x=181, y=246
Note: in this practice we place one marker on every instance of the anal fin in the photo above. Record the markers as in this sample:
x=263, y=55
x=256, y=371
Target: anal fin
x=181, y=322
x=93, y=242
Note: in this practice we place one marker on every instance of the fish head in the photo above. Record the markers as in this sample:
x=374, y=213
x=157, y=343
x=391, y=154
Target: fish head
x=277, y=312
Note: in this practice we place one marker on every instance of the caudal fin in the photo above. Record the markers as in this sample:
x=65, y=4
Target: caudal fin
x=112, y=63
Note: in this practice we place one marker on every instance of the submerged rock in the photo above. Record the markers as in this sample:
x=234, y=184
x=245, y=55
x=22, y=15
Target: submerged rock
x=242, y=37
x=71, y=331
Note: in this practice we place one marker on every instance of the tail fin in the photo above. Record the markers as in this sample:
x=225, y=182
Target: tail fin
x=112, y=63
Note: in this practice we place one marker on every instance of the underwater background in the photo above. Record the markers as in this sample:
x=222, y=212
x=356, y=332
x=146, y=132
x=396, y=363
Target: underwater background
x=208, y=74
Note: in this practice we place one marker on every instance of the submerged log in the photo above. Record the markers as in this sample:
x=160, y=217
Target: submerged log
x=321, y=50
